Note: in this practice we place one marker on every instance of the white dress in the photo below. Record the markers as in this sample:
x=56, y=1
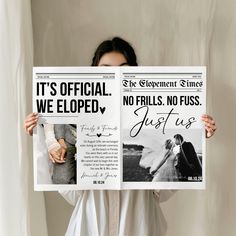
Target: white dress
x=117, y=213
x=44, y=165
x=167, y=172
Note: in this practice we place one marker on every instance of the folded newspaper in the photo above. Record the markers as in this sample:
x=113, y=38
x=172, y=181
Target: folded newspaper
x=119, y=128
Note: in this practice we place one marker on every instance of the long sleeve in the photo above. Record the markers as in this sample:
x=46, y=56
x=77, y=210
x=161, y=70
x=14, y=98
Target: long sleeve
x=50, y=139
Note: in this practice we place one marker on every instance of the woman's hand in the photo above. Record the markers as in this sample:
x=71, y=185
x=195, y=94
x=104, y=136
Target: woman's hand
x=210, y=125
x=57, y=153
x=30, y=122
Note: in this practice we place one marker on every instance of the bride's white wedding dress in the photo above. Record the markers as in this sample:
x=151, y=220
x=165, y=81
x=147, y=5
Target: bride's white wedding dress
x=167, y=172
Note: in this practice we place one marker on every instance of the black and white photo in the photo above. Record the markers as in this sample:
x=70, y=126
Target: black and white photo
x=173, y=157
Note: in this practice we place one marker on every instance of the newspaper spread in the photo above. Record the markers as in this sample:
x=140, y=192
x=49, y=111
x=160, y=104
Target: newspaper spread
x=119, y=128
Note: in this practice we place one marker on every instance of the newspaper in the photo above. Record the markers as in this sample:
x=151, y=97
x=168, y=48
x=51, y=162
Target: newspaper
x=119, y=128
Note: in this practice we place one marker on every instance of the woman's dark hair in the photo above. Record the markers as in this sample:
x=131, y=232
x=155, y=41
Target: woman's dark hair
x=115, y=45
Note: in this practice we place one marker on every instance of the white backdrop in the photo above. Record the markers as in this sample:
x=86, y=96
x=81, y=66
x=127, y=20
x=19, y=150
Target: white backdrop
x=22, y=212
x=186, y=32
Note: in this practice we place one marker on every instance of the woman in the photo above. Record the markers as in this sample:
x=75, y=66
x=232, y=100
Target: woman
x=166, y=171
x=126, y=212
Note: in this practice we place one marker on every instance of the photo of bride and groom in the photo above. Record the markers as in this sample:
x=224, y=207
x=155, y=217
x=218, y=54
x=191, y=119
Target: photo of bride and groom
x=180, y=162
x=176, y=160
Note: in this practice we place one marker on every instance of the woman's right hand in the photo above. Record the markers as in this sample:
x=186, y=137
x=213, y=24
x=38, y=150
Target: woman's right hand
x=30, y=122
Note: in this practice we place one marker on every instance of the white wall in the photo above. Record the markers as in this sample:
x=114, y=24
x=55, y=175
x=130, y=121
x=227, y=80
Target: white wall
x=186, y=32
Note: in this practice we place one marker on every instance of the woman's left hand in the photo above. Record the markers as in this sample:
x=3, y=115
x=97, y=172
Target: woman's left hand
x=210, y=125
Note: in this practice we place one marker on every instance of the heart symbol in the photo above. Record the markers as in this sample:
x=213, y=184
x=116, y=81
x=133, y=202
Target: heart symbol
x=102, y=109
x=99, y=135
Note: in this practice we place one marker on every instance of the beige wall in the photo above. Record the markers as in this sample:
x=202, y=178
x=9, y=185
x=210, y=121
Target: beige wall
x=186, y=32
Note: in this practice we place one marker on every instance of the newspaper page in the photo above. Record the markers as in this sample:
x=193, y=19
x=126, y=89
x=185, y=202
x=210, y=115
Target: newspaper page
x=77, y=140
x=119, y=128
x=163, y=136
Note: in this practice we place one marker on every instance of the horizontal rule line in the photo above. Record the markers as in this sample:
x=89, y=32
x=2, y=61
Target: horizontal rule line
x=180, y=91
x=57, y=116
x=156, y=73
x=183, y=89
x=74, y=78
x=75, y=73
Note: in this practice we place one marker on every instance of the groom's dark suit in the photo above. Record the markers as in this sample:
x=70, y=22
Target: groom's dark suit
x=192, y=166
